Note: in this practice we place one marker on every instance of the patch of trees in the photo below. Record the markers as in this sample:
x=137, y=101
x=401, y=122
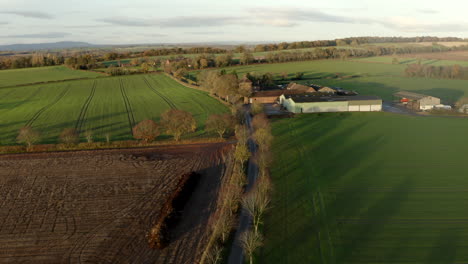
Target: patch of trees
x=36, y=60
x=82, y=62
x=442, y=72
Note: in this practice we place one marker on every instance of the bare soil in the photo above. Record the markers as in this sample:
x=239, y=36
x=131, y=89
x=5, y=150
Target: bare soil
x=99, y=206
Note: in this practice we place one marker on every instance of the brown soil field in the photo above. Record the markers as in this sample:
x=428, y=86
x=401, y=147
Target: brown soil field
x=99, y=206
x=451, y=55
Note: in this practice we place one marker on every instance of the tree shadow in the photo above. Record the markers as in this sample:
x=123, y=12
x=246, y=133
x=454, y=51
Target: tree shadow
x=445, y=249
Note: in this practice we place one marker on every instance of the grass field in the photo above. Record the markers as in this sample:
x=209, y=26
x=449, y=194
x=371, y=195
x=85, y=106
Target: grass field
x=109, y=105
x=41, y=74
x=408, y=60
x=368, y=188
x=370, y=78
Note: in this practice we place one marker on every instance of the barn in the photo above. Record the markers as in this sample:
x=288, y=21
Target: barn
x=308, y=103
x=417, y=101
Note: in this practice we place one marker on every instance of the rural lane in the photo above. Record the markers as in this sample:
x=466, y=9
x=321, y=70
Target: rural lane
x=237, y=254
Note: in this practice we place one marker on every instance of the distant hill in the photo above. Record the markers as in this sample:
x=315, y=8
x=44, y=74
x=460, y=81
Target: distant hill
x=46, y=46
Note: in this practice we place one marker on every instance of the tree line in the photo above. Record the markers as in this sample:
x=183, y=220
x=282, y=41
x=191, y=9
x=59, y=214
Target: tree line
x=36, y=60
x=442, y=72
x=350, y=41
x=174, y=122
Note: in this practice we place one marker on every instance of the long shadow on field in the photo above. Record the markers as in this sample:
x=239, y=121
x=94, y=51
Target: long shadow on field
x=325, y=154
x=445, y=249
x=358, y=233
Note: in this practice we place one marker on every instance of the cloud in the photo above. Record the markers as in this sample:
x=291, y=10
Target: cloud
x=205, y=32
x=201, y=21
x=3, y=23
x=126, y=21
x=412, y=25
x=29, y=14
x=427, y=11
x=288, y=17
x=174, y=22
x=50, y=35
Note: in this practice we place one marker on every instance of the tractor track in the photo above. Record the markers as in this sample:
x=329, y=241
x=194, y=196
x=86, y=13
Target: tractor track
x=169, y=102
x=84, y=109
x=43, y=109
x=128, y=107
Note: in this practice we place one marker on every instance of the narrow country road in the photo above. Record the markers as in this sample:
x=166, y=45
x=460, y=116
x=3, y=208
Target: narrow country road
x=237, y=253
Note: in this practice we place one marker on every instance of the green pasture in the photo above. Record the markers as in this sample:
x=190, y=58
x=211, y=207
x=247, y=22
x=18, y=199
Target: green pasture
x=368, y=188
x=366, y=78
x=41, y=74
x=402, y=60
x=106, y=105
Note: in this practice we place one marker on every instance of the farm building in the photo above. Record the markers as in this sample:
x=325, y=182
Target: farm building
x=308, y=103
x=270, y=97
x=417, y=101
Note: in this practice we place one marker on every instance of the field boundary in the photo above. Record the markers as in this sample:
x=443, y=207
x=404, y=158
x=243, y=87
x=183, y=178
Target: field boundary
x=84, y=109
x=43, y=109
x=197, y=88
x=128, y=106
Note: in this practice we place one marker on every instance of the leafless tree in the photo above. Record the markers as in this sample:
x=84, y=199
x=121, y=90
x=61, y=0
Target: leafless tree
x=69, y=136
x=261, y=121
x=263, y=138
x=242, y=134
x=89, y=136
x=250, y=242
x=214, y=255
x=27, y=135
x=242, y=154
x=256, y=202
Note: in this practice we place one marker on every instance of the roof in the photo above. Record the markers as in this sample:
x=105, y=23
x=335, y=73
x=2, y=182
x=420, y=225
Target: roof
x=331, y=98
x=296, y=86
x=276, y=93
x=326, y=90
x=410, y=95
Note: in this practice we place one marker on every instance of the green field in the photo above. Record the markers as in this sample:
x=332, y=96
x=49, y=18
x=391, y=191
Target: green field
x=368, y=188
x=105, y=105
x=369, y=78
x=41, y=74
x=433, y=62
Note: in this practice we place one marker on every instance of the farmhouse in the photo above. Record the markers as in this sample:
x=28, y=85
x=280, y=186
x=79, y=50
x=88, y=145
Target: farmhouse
x=309, y=103
x=417, y=101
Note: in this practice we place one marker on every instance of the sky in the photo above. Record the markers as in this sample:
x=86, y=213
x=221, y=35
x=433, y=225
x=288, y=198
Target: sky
x=196, y=21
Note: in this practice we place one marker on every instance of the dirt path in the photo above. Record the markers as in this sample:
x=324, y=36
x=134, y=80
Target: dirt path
x=237, y=253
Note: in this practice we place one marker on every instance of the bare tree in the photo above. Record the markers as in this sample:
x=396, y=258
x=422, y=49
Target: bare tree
x=242, y=134
x=250, y=242
x=220, y=124
x=146, y=130
x=178, y=122
x=27, y=135
x=89, y=136
x=263, y=159
x=256, y=108
x=256, y=203
x=69, y=136
x=260, y=121
x=263, y=138
x=242, y=154
x=214, y=255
